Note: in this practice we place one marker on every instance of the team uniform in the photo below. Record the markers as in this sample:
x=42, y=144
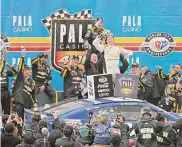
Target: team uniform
x=72, y=79
x=172, y=79
x=91, y=35
x=41, y=73
x=5, y=93
x=111, y=55
x=172, y=99
x=23, y=91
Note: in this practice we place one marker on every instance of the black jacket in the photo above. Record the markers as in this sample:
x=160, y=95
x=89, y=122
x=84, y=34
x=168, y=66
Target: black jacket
x=124, y=133
x=149, y=86
x=72, y=79
x=93, y=69
x=41, y=72
x=66, y=142
x=125, y=64
x=172, y=79
x=24, y=89
x=91, y=34
x=167, y=136
x=5, y=74
x=146, y=131
x=9, y=140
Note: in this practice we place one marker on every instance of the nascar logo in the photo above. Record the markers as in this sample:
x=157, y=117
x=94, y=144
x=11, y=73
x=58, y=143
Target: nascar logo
x=159, y=44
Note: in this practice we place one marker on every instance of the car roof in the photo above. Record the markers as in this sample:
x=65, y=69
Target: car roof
x=73, y=104
x=112, y=100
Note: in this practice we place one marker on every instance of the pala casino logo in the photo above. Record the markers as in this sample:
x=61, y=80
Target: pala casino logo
x=22, y=23
x=159, y=44
x=127, y=85
x=67, y=32
x=131, y=23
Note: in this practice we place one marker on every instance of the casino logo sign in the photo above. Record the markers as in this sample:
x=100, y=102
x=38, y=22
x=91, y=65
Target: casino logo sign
x=67, y=32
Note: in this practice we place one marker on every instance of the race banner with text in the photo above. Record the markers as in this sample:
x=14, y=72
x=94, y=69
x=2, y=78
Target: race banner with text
x=152, y=29
x=67, y=40
x=126, y=86
x=100, y=86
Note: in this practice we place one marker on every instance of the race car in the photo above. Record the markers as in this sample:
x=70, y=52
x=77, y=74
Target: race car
x=79, y=110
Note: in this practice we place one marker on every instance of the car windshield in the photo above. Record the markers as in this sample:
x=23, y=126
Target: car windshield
x=131, y=113
x=65, y=106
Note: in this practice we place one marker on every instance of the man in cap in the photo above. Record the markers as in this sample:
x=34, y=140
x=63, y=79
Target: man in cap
x=72, y=78
x=35, y=121
x=123, y=129
x=167, y=136
x=42, y=76
x=93, y=32
x=135, y=69
x=147, y=129
x=24, y=89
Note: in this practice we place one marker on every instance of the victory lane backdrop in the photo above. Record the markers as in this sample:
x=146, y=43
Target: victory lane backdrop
x=67, y=35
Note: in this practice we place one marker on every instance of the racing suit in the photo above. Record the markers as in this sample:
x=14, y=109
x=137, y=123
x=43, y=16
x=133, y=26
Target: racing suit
x=171, y=101
x=146, y=131
x=41, y=73
x=72, y=79
x=167, y=136
x=111, y=55
x=23, y=91
x=90, y=36
x=5, y=94
x=172, y=79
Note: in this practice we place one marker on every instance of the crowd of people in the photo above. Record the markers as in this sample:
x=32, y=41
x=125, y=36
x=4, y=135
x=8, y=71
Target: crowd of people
x=153, y=131
x=102, y=57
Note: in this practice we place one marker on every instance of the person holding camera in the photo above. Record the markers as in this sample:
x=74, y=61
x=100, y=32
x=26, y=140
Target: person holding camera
x=112, y=54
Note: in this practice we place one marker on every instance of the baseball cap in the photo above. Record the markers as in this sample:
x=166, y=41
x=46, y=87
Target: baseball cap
x=135, y=65
x=75, y=56
x=26, y=67
x=43, y=123
x=146, y=110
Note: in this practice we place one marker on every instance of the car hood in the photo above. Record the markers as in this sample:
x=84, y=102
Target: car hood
x=179, y=115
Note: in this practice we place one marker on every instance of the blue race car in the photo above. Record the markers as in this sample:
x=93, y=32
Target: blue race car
x=77, y=111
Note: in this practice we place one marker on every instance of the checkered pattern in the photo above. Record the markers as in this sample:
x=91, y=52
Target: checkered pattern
x=61, y=14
